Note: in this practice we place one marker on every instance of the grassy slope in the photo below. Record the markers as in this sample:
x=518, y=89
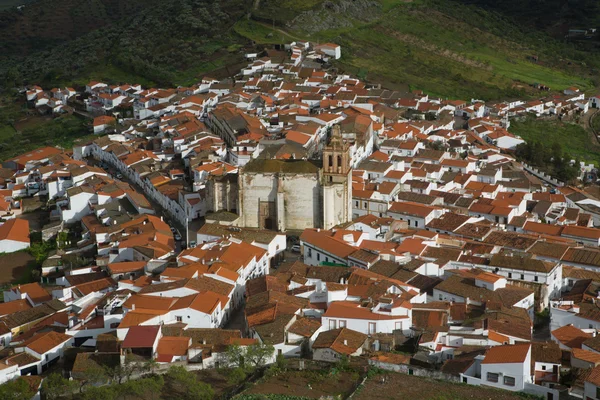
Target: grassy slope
x=450, y=52
x=36, y=131
x=573, y=138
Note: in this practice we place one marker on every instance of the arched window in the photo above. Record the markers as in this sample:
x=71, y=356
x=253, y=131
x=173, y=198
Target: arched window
x=339, y=161
x=330, y=160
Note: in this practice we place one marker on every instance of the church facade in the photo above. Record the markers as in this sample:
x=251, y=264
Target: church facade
x=298, y=194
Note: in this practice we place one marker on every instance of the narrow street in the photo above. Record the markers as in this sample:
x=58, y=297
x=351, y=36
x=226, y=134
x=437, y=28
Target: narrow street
x=159, y=211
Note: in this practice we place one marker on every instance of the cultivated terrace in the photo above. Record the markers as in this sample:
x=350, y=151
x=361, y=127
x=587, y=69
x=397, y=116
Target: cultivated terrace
x=294, y=213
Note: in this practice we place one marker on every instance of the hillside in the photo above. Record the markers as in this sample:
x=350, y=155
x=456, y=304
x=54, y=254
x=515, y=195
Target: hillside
x=149, y=41
x=449, y=48
x=452, y=48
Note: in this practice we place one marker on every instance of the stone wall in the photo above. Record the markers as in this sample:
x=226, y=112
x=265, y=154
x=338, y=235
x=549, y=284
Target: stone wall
x=301, y=199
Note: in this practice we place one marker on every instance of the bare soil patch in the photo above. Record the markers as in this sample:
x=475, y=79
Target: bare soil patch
x=313, y=384
x=13, y=266
x=400, y=386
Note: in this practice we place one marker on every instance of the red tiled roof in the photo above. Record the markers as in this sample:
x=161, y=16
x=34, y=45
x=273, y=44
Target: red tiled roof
x=15, y=229
x=507, y=354
x=141, y=336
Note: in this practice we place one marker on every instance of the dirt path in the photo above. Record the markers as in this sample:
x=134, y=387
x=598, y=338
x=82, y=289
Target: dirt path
x=278, y=30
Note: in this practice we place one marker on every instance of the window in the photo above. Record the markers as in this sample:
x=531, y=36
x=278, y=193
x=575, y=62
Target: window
x=356, y=203
x=509, y=381
x=543, y=367
x=339, y=161
x=416, y=224
x=326, y=259
x=365, y=205
x=411, y=372
x=342, y=323
x=523, y=277
x=330, y=161
x=398, y=325
x=332, y=324
x=491, y=377
x=536, y=278
x=440, y=297
x=571, y=282
x=510, y=275
x=318, y=256
x=372, y=327
x=179, y=319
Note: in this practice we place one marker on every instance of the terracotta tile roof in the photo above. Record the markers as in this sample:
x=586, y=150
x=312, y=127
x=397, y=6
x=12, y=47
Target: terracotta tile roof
x=15, y=229
x=141, y=336
x=21, y=359
x=581, y=232
x=429, y=319
x=38, y=154
x=35, y=292
x=124, y=267
x=507, y=354
x=45, y=342
x=95, y=286
x=546, y=352
x=263, y=284
x=323, y=240
x=351, y=310
x=305, y=327
x=173, y=345
x=343, y=341
x=135, y=318
x=391, y=358
x=409, y=208
x=14, y=306
x=589, y=356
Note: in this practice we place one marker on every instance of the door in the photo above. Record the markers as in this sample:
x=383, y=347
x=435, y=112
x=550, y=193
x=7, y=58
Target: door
x=372, y=327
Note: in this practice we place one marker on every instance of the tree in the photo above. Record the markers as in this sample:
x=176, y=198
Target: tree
x=151, y=365
x=234, y=356
x=94, y=374
x=557, y=153
x=236, y=376
x=122, y=371
x=146, y=388
x=55, y=385
x=183, y=385
x=258, y=354
x=99, y=392
x=17, y=389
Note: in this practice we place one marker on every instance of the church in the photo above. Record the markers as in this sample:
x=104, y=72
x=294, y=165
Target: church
x=298, y=194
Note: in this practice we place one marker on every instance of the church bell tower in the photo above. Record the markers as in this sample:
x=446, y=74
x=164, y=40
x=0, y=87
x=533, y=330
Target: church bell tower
x=336, y=181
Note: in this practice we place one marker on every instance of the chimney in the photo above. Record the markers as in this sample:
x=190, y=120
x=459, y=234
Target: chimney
x=345, y=342
x=203, y=341
x=133, y=307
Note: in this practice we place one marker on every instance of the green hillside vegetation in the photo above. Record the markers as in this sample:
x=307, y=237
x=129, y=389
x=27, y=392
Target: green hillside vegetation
x=572, y=138
x=18, y=135
x=447, y=48
x=155, y=42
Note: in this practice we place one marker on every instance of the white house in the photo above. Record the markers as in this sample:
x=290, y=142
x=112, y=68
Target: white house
x=334, y=344
x=14, y=235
